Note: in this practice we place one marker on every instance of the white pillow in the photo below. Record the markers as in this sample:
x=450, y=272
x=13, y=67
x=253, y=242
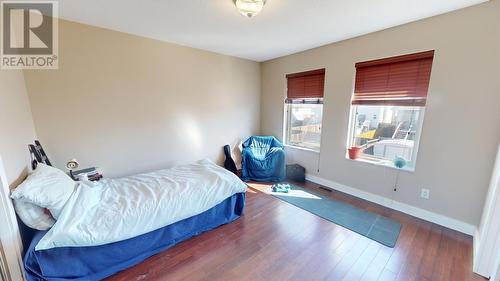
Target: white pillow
x=46, y=187
x=33, y=216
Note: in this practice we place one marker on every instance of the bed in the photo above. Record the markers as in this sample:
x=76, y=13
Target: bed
x=107, y=227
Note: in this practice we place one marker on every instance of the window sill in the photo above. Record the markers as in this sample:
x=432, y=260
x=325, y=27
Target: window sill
x=301, y=148
x=383, y=163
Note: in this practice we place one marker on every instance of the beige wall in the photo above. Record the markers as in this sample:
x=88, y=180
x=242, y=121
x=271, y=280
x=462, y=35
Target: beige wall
x=129, y=104
x=16, y=126
x=462, y=119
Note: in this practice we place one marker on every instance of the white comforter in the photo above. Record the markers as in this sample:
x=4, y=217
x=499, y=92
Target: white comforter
x=118, y=209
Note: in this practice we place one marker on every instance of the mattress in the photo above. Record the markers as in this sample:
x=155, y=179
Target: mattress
x=114, y=210
x=98, y=262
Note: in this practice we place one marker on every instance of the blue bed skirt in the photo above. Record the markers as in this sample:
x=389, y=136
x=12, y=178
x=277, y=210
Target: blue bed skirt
x=98, y=262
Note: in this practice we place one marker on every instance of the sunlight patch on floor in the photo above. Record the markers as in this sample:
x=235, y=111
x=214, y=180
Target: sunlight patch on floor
x=259, y=186
x=266, y=188
x=250, y=190
x=295, y=193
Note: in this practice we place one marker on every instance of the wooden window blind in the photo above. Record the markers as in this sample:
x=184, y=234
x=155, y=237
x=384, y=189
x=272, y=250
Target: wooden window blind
x=399, y=81
x=305, y=85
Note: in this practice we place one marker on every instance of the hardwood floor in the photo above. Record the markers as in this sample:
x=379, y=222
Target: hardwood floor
x=275, y=240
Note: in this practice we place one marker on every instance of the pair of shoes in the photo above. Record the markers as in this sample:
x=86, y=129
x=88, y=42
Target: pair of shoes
x=281, y=187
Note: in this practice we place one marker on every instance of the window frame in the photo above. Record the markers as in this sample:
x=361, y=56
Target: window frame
x=286, y=127
x=379, y=83
x=380, y=161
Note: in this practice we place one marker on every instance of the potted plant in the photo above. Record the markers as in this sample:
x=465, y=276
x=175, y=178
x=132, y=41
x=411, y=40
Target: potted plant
x=355, y=151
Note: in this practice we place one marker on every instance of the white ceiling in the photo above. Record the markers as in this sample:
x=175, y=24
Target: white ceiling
x=284, y=26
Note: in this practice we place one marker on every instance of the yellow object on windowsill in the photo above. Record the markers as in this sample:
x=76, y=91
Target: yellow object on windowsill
x=367, y=135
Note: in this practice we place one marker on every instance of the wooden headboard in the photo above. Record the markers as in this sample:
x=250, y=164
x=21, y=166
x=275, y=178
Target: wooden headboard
x=38, y=155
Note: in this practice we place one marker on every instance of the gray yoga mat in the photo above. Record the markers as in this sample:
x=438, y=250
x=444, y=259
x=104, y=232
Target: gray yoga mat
x=374, y=226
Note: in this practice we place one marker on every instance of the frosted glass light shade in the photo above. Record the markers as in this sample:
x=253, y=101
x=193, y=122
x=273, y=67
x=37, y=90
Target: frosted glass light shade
x=249, y=8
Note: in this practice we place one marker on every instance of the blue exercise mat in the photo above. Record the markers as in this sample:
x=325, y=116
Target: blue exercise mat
x=372, y=225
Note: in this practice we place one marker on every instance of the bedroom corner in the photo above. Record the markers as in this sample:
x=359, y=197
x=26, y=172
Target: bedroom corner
x=16, y=132
x=196, y=141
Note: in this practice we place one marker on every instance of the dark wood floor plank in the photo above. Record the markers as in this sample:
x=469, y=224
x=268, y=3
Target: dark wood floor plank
x=425, y=269
x=319, y=267
x=275, y=240
x=314, y=256
x=364, y=261
x=295, y=240
x=409, y=270
x=460, y=261
x=401, y=251
x=348, y=260
x=378, y=264
x=444, y=260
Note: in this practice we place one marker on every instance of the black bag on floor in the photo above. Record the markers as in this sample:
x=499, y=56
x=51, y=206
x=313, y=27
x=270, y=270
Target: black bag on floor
x=295, y=172
x=229, y=162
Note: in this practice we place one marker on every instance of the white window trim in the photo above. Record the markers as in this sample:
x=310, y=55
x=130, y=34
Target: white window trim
x=302, y=148
x=380, y=161
x=285, y=118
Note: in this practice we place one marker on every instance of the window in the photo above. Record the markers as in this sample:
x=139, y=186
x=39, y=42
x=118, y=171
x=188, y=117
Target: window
x=304, y=124
x=387, y=131
x=388, y=107
x=304, y=109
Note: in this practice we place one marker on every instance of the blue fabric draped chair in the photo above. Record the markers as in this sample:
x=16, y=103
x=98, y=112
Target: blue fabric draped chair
x=263, y=159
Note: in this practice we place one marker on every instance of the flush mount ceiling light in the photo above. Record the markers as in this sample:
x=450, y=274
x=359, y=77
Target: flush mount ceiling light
x=249, y=8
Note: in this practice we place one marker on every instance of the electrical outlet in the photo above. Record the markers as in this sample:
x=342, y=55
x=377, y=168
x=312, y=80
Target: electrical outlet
x=425, y=193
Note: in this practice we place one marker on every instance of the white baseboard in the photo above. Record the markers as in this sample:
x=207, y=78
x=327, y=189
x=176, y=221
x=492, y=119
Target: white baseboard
x=398, y=206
